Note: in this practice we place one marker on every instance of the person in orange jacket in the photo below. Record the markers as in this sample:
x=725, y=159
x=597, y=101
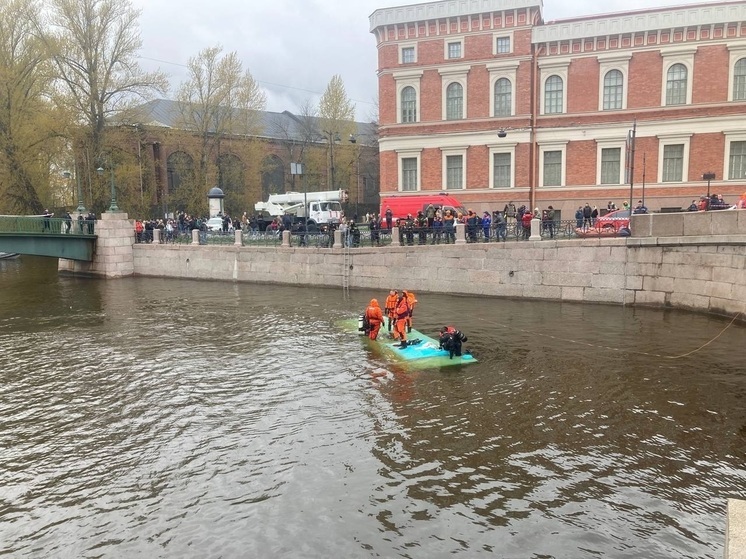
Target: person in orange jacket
x=373, y=318
x=402, y=314
x=390, y=305
x=412, y=301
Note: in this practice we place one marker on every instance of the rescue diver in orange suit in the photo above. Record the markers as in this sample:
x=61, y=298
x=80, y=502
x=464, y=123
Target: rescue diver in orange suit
x=390, y=305
x=401, y=313
x=375, y=318
x=412, y=301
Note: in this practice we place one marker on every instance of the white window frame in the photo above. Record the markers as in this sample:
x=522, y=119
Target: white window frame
x=449, y=75
x=497, y=70
x=607, y=63
x=611, y=143
x=503, y=147
x=548, y=68
x=403, y=46
x=736, y=52
x=674, y=139
x=409, y=78
x=736, y=136
x=447, y=43
x=553, y=146
x=408, y=154
x=445, y=152
x=502, y=35
x=678, y=55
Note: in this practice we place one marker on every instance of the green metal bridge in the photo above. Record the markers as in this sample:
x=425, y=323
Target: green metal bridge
x=48, y=236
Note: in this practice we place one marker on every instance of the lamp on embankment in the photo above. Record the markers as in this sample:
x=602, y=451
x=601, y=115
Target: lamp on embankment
x=113, y=206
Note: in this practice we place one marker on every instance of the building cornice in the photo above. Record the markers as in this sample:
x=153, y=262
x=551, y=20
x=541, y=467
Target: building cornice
x=445, y=9
x=640, y=22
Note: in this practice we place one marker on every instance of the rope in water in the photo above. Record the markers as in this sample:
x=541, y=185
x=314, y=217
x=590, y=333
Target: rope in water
x=609, y=348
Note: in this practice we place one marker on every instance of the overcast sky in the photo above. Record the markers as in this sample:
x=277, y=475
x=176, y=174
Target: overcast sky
x=294, y=47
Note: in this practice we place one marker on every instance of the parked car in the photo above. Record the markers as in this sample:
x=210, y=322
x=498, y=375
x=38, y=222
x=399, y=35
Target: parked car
x=613, y=220
x=214, y=224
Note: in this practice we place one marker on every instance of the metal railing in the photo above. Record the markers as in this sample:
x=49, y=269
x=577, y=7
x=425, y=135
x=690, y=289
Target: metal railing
x=40, y=225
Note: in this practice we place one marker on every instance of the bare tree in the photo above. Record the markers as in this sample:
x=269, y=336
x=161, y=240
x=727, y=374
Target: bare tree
x=29, y=126
x=336, y=118
x=94, y=44
x=220, y=101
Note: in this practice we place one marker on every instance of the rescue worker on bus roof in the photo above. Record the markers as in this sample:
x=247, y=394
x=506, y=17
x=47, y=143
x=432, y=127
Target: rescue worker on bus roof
x=451, y=340
x=411, y=301
x=390, y=306
x=373, y=319
x=401, y=313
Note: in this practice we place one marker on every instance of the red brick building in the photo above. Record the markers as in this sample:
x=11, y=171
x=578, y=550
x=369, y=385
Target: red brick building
x=485, y=100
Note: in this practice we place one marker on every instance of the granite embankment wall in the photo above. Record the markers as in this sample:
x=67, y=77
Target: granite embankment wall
x=698, y=267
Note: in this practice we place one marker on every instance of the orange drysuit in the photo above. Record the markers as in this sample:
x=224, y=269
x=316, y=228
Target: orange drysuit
x=402, y=314
x=375, y=318
x=390, y=306
x=411, y=301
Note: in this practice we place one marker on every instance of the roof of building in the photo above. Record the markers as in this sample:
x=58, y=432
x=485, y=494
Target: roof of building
x=284, y=126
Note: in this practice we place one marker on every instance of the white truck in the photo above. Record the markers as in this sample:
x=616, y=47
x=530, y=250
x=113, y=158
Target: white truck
x=317, y=208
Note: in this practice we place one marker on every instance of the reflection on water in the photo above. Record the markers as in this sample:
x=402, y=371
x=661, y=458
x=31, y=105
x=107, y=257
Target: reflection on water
x=166, y=418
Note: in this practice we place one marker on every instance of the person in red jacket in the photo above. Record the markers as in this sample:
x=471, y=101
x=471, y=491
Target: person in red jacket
x=402, y=315
x=373, y=318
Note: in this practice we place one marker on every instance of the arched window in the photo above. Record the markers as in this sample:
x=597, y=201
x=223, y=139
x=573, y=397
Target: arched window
x=676, y=85
x=273, y=176
x=180, y=180
x=613, y=84
x=454, y=101
x=503, y=97
x=408, y=104
x=553, y=92
x=739, y=80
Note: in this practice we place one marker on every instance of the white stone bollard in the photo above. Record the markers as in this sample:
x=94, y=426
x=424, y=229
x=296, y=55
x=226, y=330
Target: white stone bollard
x=337, y=239
x=286, y=239
x=535, y=230
x=195, y=236
x=395, y=237
x=735, y=530
x=460, y=234
x=156, y=236
x=239, y=239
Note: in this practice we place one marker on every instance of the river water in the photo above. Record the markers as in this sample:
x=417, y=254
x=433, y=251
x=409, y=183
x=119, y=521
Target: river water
x=167, y=418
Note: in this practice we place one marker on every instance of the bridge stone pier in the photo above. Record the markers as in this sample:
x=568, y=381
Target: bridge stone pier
x=114, y=255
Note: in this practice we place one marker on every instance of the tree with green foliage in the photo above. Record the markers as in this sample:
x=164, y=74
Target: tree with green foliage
x=219, y=102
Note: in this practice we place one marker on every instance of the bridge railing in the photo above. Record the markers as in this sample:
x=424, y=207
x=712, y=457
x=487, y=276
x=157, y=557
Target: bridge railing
x=45, y=225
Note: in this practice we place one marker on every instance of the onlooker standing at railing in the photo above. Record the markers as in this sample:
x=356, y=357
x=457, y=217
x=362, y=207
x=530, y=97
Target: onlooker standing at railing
x=501, y=229
x=579, y=217
x=375, y=230
x=449, y=227
x=526, y=223
x=437, y=229
x=430, y=215
x=510, y=212
x=486, y=223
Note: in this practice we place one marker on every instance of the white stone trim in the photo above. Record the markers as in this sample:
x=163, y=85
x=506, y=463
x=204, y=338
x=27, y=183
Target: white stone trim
x=560, y=146
x=445, y=152
x=446, y=9
x=409, y=154
x=500, y=35
x=670, y=140
x=607, y=63
x=557, y=68
x=736, y=51
x=502, y=147
x=733, y=136
x=449, y=75
x=509, y=70
x=609, y=144
x=678, y=55
x=408, y=44
x=447, y=42
x=629, y=23
x=407, y=79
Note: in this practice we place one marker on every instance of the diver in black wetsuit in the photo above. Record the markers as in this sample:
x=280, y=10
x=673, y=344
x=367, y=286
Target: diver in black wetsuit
x=451, y=340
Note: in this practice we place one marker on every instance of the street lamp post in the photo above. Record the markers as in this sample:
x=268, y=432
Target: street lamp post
x=81, y=206
x=113, y=206
x=708, y=177
x=296, y=169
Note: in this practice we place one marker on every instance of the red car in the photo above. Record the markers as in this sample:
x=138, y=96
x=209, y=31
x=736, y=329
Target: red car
x=613, y=220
